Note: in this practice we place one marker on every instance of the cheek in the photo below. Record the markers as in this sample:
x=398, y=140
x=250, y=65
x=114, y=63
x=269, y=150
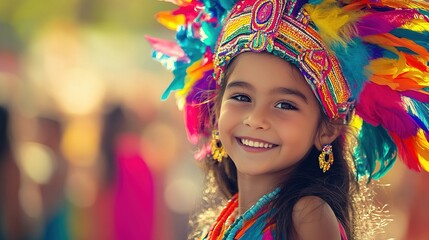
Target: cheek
x=299, y=134
x=228, y=118
x=223, y=120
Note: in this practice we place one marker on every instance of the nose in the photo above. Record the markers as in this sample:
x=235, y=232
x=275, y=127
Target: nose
x=257, y=118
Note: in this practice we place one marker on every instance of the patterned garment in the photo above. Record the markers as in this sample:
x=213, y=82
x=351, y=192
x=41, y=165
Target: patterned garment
x=254, y=224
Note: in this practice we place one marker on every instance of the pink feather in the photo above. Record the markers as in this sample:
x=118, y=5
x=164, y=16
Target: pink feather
x=384, y=22
x=192, y=113
x=168, y=48
x=417, y=95
x=380, y=105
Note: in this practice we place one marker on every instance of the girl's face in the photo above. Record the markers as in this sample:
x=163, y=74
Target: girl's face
x=269, y=117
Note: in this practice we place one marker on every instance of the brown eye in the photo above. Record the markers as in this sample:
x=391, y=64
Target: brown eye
x=286, y=106
x=241, y=98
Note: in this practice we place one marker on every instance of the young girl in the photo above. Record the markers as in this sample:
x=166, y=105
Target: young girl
x=289, y=92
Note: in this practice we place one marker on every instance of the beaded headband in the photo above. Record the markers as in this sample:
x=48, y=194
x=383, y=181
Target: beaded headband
x=370, y=54
x=276, y=27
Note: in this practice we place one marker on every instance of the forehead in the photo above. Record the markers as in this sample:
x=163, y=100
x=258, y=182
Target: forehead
x=267, y=71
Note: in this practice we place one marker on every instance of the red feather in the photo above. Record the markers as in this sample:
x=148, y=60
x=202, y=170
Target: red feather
x=407, y=151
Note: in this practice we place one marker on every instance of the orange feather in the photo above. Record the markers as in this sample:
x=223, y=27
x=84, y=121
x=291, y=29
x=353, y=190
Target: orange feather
x=391, y=40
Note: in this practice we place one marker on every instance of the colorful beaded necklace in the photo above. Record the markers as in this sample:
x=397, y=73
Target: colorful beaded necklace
x=251, y=223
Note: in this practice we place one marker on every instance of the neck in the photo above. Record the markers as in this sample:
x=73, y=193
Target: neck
x=252, y=188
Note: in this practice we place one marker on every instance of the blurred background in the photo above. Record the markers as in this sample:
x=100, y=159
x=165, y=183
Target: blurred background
x=88, y=150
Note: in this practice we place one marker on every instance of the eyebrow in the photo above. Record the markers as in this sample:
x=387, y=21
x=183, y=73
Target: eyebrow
x=279, y=90
x=239, y=84
x=290, y=91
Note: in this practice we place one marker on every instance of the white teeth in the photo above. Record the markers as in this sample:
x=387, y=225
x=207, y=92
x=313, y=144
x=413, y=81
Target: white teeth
x=251, y=143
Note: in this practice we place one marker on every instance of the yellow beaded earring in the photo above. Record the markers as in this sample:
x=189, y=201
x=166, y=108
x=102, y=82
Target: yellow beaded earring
x=218, y=152
x=326, y=158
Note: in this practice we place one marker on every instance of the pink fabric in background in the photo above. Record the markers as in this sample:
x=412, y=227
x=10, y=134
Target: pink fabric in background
x=134, y=204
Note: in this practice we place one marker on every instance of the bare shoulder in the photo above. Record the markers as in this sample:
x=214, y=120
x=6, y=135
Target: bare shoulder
x=314, y=219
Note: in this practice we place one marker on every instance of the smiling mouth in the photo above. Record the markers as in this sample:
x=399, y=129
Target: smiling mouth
x=256, y=144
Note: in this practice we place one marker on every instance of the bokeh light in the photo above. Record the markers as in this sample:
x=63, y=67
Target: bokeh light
x=159, y=146
x=80, y=141
x=31, y=200
x=36, y=161
x=81, y=188
x=181, y=195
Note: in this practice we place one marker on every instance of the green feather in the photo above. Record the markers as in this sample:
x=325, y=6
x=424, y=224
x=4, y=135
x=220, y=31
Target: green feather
x=375, y=146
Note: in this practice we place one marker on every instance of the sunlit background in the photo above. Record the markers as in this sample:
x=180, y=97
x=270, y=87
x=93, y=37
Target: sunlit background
x=88, y=150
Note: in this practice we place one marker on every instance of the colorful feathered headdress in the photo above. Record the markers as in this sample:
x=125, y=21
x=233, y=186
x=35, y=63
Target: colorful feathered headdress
x=365, y=60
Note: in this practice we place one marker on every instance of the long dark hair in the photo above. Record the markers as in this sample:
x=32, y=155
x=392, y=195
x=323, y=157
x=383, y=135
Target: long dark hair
x=305, y=179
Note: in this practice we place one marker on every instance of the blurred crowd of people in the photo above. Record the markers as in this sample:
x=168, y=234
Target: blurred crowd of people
x=87, y=149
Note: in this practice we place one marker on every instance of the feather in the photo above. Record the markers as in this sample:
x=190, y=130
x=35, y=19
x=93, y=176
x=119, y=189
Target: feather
x=407, y=151
x=402, y=3
x=388, y=112
x=203, y=89
x=416, y=62
x=418, y=95
x=315, y=2
x=358, y=4
x=374, y=145
x=422, y=146
x=334, y=24
x=209, y=34
x=191, y=119
x=399, y=83
x=419, y=111
x=177, y=83
x=170, y=49
x=227, y=4
x=384, y=22
x=357, y=51
x=203, y=152
x=418, y=25
x=170, y=20
x=197, y=123
x=193, y=73
x=388, y=39
x=419, y=38
x=179, y=2
x=403, y=73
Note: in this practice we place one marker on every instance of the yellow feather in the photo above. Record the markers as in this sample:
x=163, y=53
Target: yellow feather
x=406, y=3
x=170, y=20
x=397, y=74
x=422, y=147
x=356, y=122
x=194, y=73
x=418, y=25
x=335, y=25
x=384, y=66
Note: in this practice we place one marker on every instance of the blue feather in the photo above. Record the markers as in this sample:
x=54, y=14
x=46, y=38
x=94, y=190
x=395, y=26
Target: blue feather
x=177, y=83
x=374, y=145
x=419, y=112
x=420, y=38
x=423, y=11
x=212, y=33
x=227, y=4
x=357, y=51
